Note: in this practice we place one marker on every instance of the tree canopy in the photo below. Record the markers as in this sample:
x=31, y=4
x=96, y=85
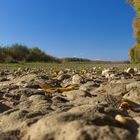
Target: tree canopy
x=18, y=52
x=134, y=52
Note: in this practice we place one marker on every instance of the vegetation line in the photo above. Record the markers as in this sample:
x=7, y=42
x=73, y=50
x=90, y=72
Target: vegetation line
x=18, y=53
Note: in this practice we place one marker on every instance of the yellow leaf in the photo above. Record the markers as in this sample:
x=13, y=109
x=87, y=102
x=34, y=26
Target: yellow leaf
x=43, y=85
x=66, y=89
x=47, y=88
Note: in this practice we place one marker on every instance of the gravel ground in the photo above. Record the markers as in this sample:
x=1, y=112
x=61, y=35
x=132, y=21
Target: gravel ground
x=99, y=103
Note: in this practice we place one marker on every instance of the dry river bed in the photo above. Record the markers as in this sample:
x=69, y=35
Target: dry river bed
x=70, y=105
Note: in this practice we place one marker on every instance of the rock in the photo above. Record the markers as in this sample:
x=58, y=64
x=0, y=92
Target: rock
x=77, y=79
x=137, y=119
x=1, y=95
x=94, y=68
x=121, y=119
x=132, y=85
x=74, y=129
x=131, y=71
x=4, y=108
x=2, y=73
x=116, y=88
x=61, y=72
x=12, y=121
x=135, y=69
x=63, y=77
x=107, y=72
x=90, y=85
x=81, y=101
x=133, y=95
x=66, y=82
x=72, y=95
x=2, y=79
x=10, y=135
x=59, y=99
x=82, y=109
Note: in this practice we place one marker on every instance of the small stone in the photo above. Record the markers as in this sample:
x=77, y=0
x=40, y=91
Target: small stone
x=72, y=95
x=107, y=73
x=131, y=71
x=63, y=77
x=77, y=79
x=90, y=85
x=121, y=119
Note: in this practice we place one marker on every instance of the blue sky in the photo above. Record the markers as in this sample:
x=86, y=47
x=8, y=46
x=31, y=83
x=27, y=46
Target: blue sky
x=97, y=29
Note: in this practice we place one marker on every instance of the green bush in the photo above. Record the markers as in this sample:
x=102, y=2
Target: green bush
x=21, y=53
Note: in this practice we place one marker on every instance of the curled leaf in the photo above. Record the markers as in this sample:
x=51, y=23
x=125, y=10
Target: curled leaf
x=124, y=106
x=48, y=89
x=69, y=88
